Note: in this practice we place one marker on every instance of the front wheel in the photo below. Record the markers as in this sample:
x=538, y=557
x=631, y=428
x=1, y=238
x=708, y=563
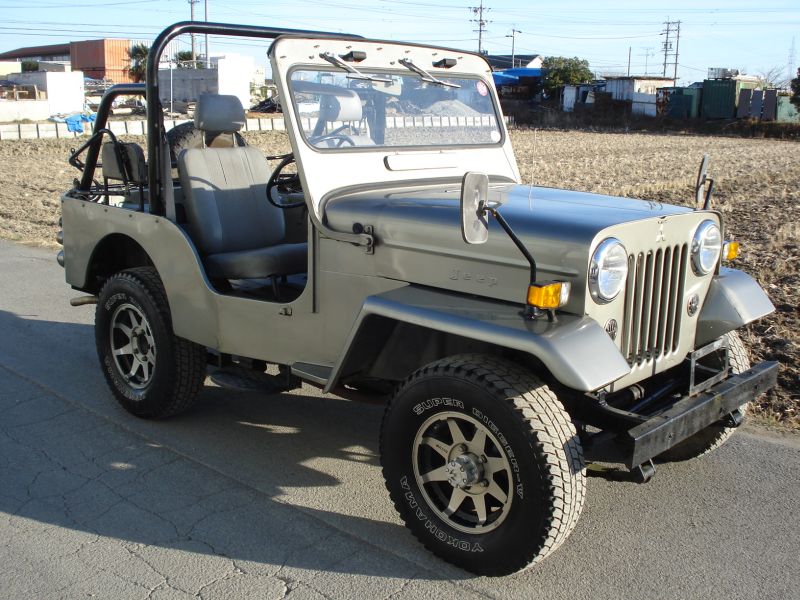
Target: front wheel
x=152, y=372
x=482, y=463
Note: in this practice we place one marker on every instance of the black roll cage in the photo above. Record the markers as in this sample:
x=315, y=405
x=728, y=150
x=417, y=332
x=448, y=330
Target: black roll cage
x=155, y=118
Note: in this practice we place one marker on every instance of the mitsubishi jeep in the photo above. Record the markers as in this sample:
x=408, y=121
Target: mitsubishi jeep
x=517, y=331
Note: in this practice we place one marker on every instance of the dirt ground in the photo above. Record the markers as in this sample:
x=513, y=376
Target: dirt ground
x=757, y=190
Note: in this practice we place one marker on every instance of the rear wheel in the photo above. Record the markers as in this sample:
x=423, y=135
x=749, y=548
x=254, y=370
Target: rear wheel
x=152, y=372
x=716, y=434
x=482, y=463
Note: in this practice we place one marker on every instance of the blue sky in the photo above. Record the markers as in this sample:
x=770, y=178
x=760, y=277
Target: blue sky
x=750, y=36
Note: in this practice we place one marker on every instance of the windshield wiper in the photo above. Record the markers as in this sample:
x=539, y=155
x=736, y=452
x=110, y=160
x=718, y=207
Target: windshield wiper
x=424, y=75
x=352, y=72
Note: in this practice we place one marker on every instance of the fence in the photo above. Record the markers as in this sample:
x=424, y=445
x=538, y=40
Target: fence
x=25, y=131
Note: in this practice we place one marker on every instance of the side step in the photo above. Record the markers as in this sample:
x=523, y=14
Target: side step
x=318, y=374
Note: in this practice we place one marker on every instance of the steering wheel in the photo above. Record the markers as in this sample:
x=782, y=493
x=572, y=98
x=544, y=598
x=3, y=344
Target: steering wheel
x=286, y=185
x=340, y=137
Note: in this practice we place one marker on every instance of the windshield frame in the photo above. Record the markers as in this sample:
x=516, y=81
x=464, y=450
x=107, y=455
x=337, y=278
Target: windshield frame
x=403, y=72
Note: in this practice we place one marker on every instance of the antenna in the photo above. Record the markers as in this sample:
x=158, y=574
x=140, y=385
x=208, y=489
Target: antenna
x=478, y=11
x=790, y=73
x=648, y=52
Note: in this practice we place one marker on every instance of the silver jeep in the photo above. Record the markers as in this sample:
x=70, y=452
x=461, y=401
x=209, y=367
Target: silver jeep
x=516, y=331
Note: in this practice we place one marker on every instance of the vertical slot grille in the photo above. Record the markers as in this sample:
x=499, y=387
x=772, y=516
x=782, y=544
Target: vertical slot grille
x=653, y=300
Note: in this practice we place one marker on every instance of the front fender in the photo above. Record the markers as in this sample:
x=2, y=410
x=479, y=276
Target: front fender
x=576, y=350
x=734, y=299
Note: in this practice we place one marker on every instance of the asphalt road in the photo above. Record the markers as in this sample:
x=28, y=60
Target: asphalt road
x=273, y=496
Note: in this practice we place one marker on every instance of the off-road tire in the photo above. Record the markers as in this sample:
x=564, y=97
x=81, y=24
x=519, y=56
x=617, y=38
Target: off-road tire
x=716, y=434
x=548, y=489
x=185, y=136
x=180, y=365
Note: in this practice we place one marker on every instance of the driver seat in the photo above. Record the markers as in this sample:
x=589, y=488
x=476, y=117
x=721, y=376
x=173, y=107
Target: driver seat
x=238, y=233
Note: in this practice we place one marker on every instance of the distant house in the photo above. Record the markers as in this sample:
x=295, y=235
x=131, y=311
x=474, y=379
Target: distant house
x=500, y=62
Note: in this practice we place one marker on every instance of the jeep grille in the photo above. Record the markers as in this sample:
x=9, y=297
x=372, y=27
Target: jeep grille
x=653, y=301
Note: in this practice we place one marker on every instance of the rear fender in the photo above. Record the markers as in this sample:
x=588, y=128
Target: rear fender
x=575, y=350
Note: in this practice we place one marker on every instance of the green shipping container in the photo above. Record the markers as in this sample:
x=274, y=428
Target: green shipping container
x=787, y=112
x=720, y=97
x=684, y=102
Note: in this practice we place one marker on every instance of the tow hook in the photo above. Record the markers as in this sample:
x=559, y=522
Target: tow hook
x=644, y=472
x=83, y=300
x=733, y=419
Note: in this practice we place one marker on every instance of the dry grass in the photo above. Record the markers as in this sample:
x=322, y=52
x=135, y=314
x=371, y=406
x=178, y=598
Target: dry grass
x=757, y=192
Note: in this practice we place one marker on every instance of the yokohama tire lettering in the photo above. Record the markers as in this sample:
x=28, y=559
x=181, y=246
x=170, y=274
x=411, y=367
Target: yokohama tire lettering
x=435, y=531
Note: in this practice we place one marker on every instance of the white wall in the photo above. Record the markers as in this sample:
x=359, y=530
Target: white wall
x=19, y=110
x=65, y=91
x=235, y=74
x=230, y=75
x=10, y=66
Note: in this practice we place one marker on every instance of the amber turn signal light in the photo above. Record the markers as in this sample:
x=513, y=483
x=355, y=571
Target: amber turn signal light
x=730, y=250
x=548, y=296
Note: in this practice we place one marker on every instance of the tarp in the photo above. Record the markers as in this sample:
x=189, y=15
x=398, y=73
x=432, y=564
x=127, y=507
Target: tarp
x=75, y=122
x=513, y=76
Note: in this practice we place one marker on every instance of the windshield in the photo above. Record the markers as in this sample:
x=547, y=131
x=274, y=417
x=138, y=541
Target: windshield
x=391, y=109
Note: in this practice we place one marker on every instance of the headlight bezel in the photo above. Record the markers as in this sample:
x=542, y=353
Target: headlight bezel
x=597, y=264
x=707, y=229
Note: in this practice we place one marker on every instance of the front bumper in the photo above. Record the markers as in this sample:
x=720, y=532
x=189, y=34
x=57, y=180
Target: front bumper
x=693, y=413
x=654, y=435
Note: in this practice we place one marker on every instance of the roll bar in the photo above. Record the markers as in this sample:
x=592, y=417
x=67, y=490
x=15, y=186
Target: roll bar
x=103, y=110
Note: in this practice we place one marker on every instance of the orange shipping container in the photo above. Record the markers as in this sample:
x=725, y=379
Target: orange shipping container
x=101, y=59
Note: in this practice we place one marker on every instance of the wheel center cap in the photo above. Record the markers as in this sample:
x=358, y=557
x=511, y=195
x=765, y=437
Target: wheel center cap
x=464, y=470
x=140, y=344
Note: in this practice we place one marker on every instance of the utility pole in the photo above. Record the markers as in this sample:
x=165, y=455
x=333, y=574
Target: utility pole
x=629, y=61
x=790, y=66
x=513, y=37
x=677, y=49
x=194, y=50
x=478, y=11
x=672, y=27
x=208, y=54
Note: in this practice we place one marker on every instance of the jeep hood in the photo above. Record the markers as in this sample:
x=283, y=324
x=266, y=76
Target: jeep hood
x=418, y=234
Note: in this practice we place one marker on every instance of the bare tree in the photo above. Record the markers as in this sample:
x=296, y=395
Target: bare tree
x=773, y=78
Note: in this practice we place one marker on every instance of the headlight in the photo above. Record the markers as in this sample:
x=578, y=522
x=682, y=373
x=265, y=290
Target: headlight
x=706, y=246
x=608, y=270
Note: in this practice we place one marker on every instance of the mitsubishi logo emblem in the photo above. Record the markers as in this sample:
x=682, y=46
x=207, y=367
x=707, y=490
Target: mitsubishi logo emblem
x=661, y=237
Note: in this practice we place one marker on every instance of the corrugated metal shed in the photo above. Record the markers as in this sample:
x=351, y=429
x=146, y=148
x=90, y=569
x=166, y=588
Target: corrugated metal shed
x=624, y=88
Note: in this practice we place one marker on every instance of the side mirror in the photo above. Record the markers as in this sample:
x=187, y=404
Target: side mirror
x=700, y=186
x=474, y=197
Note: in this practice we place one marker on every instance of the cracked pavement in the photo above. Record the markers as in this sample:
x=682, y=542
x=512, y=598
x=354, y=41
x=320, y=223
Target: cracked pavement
x=252, y=495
